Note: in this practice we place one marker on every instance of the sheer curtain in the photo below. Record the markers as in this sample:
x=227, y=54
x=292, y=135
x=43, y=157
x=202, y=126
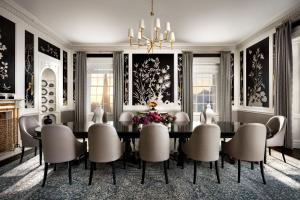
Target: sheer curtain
x=225, y=107
x=80, y=92
x=283, y=78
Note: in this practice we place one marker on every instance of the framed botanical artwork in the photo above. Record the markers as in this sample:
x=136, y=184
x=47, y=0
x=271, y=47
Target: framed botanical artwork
x=257, y=74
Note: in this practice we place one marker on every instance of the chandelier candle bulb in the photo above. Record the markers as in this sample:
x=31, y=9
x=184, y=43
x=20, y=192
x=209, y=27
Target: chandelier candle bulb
x=142, y=24
x=130, y=33
x=161, y=37
x=157, y=23
x=139, y=35
x=172, y=37
x=168, y=26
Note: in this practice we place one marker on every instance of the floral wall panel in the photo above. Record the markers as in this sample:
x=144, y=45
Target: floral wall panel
x=126, y=79
x=152, y=78
x=48, y=49
x=7, y=56
x=29, y=70
x=180, y=79
x=65, y=78
x=232, y=77
x=257, y=74
x=242, y=78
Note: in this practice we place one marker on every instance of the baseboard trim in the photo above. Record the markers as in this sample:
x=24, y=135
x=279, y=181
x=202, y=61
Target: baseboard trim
x=15, y=157
x=296, y=144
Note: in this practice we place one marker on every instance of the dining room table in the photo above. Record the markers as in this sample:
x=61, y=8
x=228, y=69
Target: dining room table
x=180, y=130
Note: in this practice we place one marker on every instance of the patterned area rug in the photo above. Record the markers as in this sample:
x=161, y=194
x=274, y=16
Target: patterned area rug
x=24, y=181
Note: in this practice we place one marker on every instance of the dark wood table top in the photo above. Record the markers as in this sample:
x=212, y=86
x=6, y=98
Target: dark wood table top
x=127, y=130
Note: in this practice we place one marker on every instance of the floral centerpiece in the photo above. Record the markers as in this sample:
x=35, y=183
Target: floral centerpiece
x=152, y=104
x=153, y=117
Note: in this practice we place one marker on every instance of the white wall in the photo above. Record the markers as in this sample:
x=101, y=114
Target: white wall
x=39, y=58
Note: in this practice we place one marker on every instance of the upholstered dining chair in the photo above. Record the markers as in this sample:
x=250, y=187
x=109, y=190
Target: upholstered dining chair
x=180, y=117
x=59, y=146
x=126, y=117
x=248, y=144
x=104, y=147
x=154, y=146
x=276, y=133
x=27, y=125
x=204, y=146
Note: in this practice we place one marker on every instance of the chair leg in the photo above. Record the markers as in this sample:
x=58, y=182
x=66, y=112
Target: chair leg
x=175, y=139
x=262, y=171
x=168, y=163
x=70, y=172
x=217, y=171
x=40, y=151
x=113, y=172
x=124, y=161
x=133, y=143
x=165, y=171
x=140, y=164
x=85, y=160
x=222, y=153
x=54, y=167
x=143, y=171
x=210, y=165
x=282, y=152
x=269, y=151
x=252, y=165
x=195, y=171
x=22, y=154
x=239, y=171
x=35, y=151
x=45, y=174
x=265, y=155
x=91, y=172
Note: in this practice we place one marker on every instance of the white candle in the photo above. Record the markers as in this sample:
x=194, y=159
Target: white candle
x=142, y=24
x=168, y=26
x=139, y=35
x=130, y=33
x=161, y=37
x=172, y=37
x=157, y=23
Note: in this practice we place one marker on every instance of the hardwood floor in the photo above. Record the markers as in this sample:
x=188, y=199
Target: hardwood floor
x=295, y=153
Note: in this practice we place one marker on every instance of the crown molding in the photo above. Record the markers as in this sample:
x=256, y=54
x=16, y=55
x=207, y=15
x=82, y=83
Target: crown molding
x=32, y=20
x=292, y=14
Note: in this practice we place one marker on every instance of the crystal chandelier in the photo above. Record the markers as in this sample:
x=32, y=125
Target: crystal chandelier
x=158, y=38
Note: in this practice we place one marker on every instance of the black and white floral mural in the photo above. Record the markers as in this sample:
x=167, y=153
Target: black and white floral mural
x=29, y=70
x=257, y=74
x=126, y=79
x=7, y=56
x=242, y=78
x=65, y=78
x=152, y=78
x=180, y=79
x=48, y=49
x=232, y=77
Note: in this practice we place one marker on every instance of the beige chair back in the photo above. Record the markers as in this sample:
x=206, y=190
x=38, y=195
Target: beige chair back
x=59, y=144
x=126, y=117
x=27, y=126
x=182, y=117
x=104, y=143
x=278, y=124
x=249, y=142
x=154, y=144
x=204, y=143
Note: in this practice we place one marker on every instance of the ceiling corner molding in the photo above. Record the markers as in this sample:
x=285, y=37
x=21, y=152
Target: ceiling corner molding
x=30, y=19
x=292, y=14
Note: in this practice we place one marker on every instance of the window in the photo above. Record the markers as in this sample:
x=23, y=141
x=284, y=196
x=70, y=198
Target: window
x=99, y=84
x=205, y=84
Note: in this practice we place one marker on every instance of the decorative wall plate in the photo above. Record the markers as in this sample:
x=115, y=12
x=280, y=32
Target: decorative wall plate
x=51, y=101
x=44, y=83
x=44, y=108
x=51, y=93
x=51, y=109
x=44, y=91
x=44, y=100
x=51, y=84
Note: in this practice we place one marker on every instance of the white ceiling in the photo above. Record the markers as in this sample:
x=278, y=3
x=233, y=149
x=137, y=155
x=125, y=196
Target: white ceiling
x=211, y=22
